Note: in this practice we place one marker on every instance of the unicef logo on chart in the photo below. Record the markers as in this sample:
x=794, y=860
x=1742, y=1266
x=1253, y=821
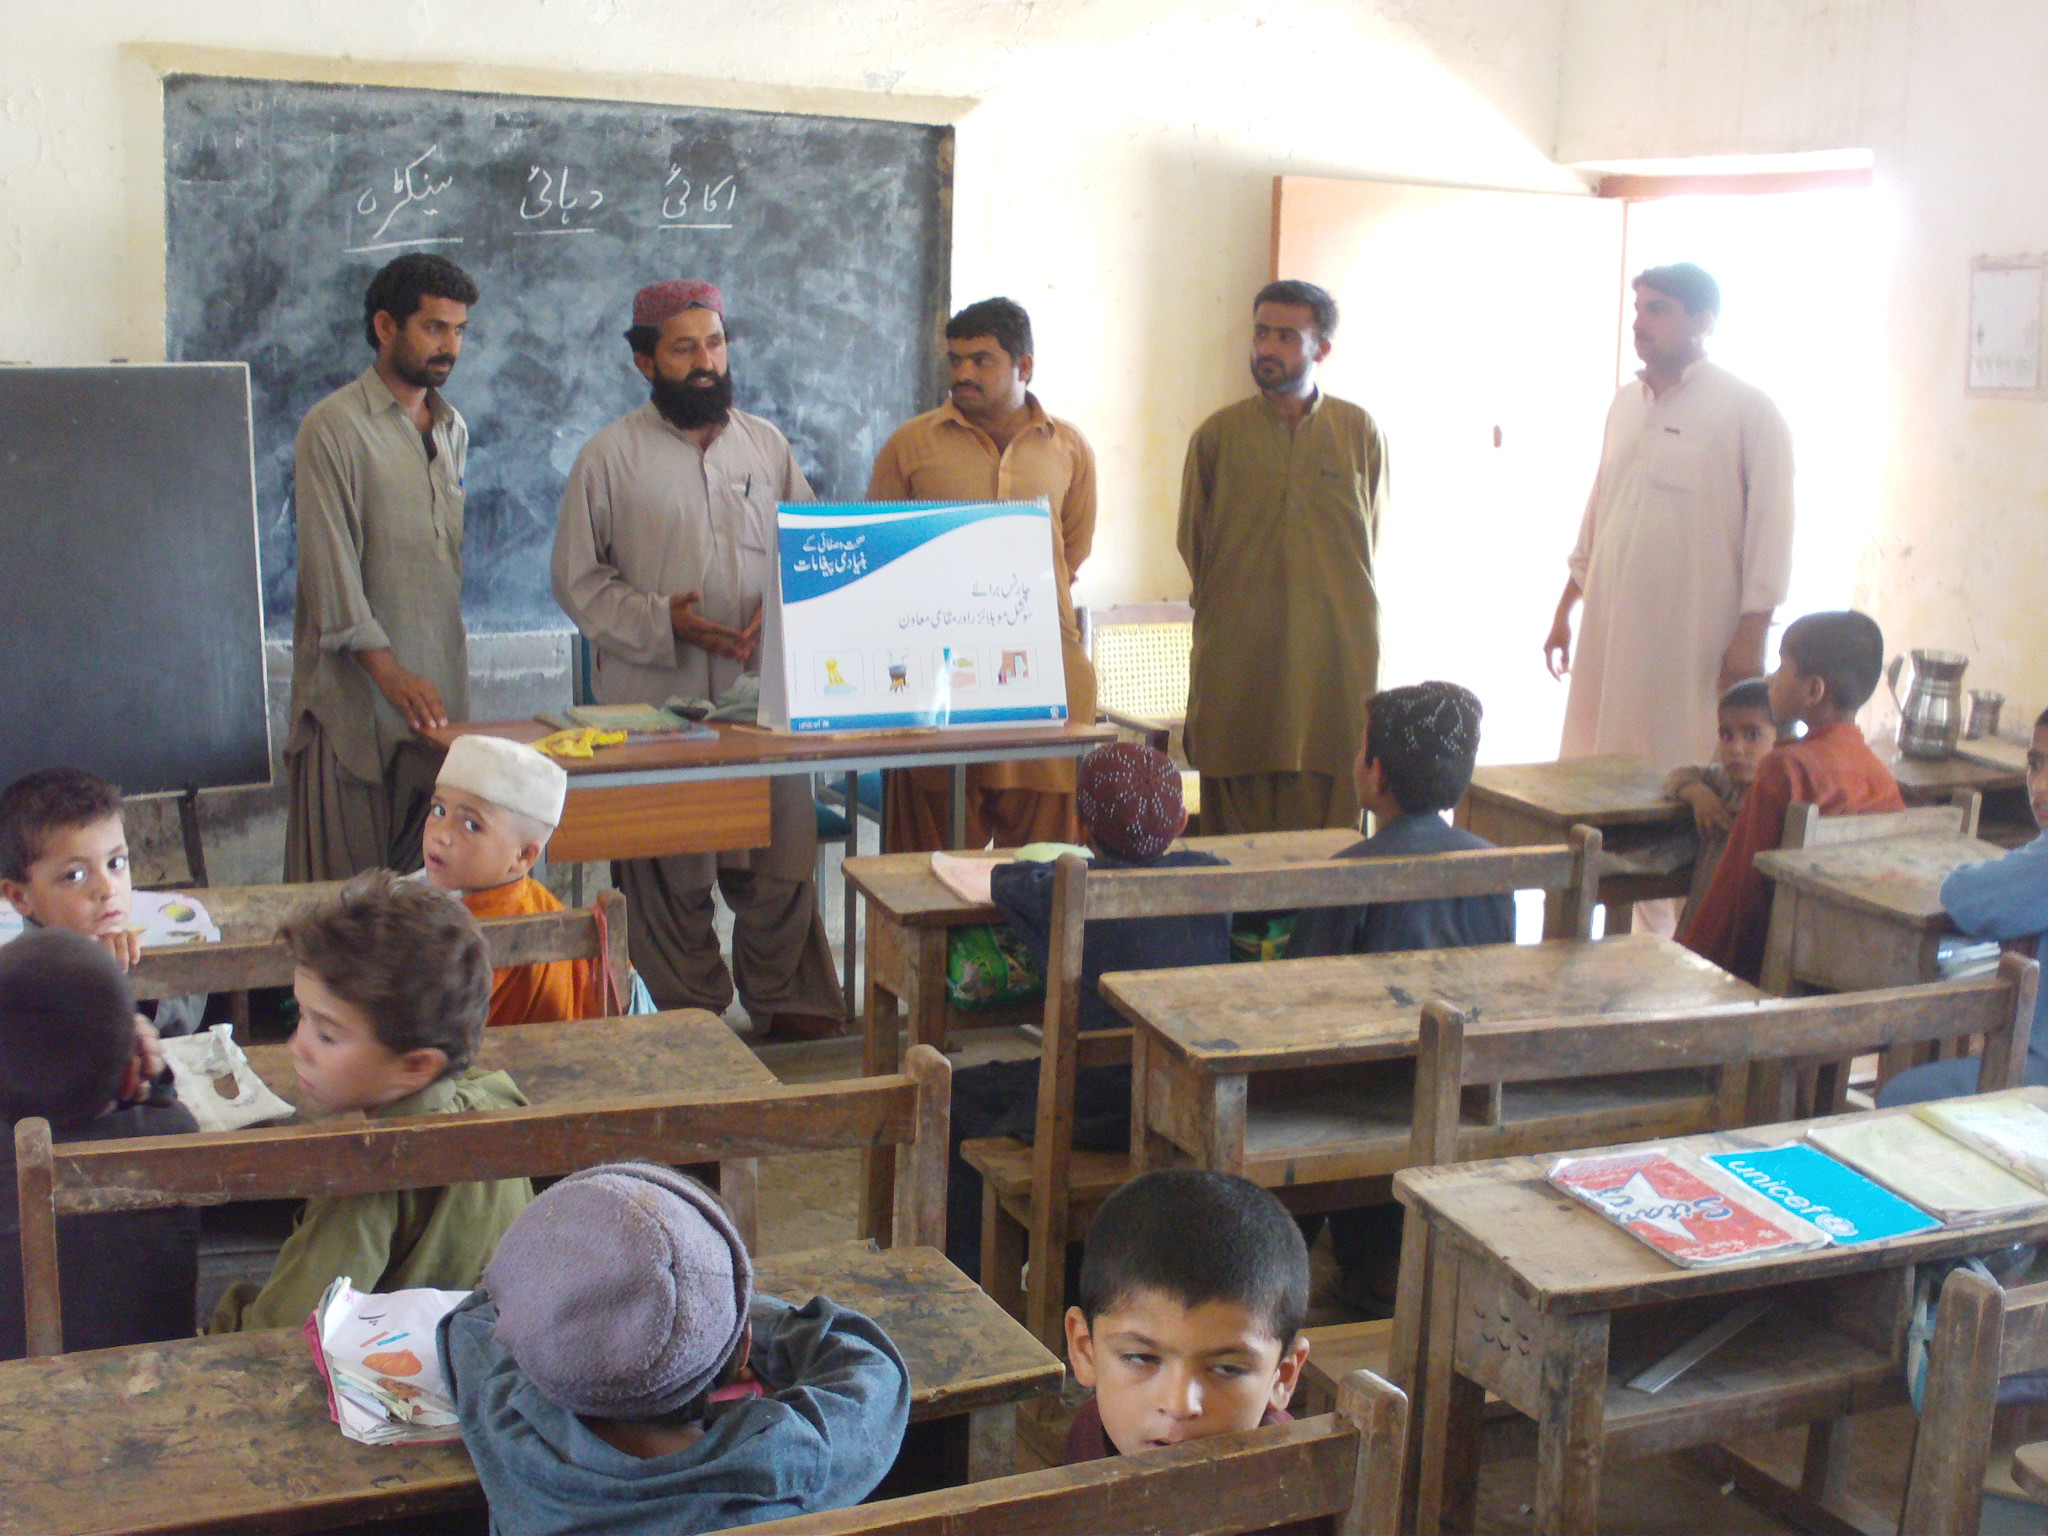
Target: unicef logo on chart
x=1834, y=1226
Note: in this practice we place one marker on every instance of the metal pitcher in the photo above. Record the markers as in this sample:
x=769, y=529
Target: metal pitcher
x=1931, y=712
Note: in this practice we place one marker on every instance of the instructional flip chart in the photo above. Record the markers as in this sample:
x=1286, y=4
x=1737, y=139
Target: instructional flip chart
x=895, y=614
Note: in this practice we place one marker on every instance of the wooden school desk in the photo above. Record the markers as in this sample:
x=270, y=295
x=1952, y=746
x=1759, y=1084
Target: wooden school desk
x=1513, y=805
x=1862, y=915
x=1536, y=1294
x=685, y=1050
x=1202, y=1036
x=232, y=1433
x=653, y=799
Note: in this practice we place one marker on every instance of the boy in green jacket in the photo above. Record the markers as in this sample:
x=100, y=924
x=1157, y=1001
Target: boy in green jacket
x=393, y=984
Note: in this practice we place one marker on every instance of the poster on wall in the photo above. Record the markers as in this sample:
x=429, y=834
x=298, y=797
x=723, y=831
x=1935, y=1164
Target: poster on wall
x=2005, y=326
x=897, y=614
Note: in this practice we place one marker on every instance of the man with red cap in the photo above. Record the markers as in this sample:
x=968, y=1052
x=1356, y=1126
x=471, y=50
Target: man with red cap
x=663, y=551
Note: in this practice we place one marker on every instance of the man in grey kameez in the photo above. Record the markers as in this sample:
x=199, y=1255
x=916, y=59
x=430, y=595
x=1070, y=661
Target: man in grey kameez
x=662, y=555
x=378, y=648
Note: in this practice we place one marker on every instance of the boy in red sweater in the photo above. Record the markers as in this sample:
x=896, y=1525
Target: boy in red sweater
x=1828, y=666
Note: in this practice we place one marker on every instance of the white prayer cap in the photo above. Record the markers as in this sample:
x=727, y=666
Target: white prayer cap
x=508, y=775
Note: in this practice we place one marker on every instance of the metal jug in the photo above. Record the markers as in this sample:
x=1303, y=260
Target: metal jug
x=1931, y=713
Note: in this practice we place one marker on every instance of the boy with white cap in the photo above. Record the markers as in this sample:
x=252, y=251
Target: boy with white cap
x=617, y=1374
x=495, y=805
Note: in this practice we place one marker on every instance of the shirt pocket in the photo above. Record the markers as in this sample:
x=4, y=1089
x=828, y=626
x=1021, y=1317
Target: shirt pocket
x=1675, y=466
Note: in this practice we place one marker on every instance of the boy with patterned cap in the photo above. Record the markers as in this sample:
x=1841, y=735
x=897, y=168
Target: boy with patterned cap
x=1129, y=800
x=616, y=1373
x=1413, y=765
x=495, y=805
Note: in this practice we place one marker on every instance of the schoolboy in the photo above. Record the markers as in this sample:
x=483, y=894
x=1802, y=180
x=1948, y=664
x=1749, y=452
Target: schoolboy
x=1744, y=731
x=495, y=805
x=617, y=1374
x=64, y=864
x=70, y=1052
x=1828, y=666
x=2005, y=898
x=1129, y=800
x=1414, y=763
x=393, y=982
x=1193, y=1290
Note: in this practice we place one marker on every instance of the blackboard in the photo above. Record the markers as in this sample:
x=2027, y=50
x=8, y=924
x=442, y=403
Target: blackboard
x=128, y=577
x=830, y=237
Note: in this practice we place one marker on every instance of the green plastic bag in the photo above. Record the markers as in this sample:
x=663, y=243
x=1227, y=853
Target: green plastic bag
x=989, y=968
x=1260, y=935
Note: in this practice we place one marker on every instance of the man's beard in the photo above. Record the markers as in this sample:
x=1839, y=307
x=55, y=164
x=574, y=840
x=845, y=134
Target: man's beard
x=422, y=372
x=1280, y=377
x=701, y=398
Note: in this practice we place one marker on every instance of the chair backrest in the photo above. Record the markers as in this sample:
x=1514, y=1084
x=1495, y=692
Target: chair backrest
x=1454, y=1051
x=1346, y=1464
x=1981, y=1332
x=1141, y=653
x=597, y=931
x=1805, y=827
x=1080, y=898
x=909, y=1111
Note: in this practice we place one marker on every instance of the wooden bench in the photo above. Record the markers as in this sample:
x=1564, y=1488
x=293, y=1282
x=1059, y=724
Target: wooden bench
x=251, y=955
x=1038, y=1198
x=1344, y=1464
x=907, y=1111
x=1435, y=1358
x=1981, y=1333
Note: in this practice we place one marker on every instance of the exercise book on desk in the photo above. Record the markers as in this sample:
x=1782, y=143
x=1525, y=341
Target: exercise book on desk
x=2011, y=1131
x=1694, y=1214
x=378, y=1356
x=1917, y=1162
x=1804, y=1180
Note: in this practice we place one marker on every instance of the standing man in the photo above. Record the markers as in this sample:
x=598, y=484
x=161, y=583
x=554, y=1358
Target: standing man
x=1686, y=546
x=378, y=649
x=992, y=441
x=1279, y=510
x=663, y=551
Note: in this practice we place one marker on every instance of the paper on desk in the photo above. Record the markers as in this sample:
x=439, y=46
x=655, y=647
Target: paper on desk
x=383, y=1372
x=161, y=919
x=2011, y=1131
x=216, y=1082
x=967, y=877
x=1933, y=1170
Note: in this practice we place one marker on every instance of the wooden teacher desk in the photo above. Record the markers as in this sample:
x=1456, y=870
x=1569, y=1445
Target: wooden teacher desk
x=1533, y=1296
x=232, y=1433
x=1278, y=1072
x=1514, y=805
x=653, y=799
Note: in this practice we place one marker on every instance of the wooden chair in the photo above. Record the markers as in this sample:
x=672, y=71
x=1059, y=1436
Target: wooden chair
x=597, y=931
x=1345, y=1464
x=908, y=1110
x=1040, y=1197
x=1455, y=1054
x=1981, y=1333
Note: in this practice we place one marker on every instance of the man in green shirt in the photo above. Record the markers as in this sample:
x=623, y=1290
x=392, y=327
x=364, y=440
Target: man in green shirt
x=1279, y=512
x=378, y=647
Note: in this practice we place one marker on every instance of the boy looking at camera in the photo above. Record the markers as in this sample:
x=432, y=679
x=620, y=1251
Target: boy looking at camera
x=1744, y=732
x=495, y=805
x=393, y=982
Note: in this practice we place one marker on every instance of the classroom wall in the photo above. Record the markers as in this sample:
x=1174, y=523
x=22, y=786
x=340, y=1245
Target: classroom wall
x=1947, y=95
x=1114, y=169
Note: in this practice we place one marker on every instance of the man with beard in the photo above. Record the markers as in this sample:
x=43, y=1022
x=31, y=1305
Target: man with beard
x=1279, y=510
x=992, y=441
x=378, y=649
x=663, y=549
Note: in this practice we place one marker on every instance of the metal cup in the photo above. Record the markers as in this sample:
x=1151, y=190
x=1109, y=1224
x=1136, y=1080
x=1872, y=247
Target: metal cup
x=1984, y=707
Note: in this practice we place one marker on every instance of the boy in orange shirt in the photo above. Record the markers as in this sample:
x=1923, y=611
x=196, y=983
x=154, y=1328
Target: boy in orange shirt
x=495, y=805
x=1828, y=666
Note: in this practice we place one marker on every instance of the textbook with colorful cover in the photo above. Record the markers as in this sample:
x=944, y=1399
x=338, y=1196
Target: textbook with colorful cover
x=1690, y=1212
x=1848, y=1207
x=383, y=1370
x=1919, y=1161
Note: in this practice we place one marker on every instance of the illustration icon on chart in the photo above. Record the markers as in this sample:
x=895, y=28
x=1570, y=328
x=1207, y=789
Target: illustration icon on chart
x=838, y=673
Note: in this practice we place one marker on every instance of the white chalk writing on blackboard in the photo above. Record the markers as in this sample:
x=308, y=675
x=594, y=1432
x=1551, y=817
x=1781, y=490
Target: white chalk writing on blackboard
x=714, y=195
x=554, y=199
x=413, y=186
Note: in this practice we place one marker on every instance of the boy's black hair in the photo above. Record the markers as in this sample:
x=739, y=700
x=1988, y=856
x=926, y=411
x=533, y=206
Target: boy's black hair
x=1004, y=319
x=1844, y=649
x=414, y=961
x=67, y=1028
x=1316, y=300
x=46, y=801
x=1198, y=1236
x=1426, y=737
x=1751, y=693
x=403, y=281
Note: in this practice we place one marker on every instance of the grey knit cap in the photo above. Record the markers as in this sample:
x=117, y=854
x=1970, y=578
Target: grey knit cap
x=622, y=1291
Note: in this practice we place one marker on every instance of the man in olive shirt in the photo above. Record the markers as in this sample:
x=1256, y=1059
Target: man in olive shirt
x=1279, y=510
x=992, y=441
x=378, y=649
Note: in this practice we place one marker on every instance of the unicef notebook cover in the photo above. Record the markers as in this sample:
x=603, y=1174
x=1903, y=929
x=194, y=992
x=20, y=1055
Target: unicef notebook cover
x=1840, y=1201
x=1692, y=1214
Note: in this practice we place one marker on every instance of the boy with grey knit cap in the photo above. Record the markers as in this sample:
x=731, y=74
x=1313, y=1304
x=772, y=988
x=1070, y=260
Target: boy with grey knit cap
x=615, y=1374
